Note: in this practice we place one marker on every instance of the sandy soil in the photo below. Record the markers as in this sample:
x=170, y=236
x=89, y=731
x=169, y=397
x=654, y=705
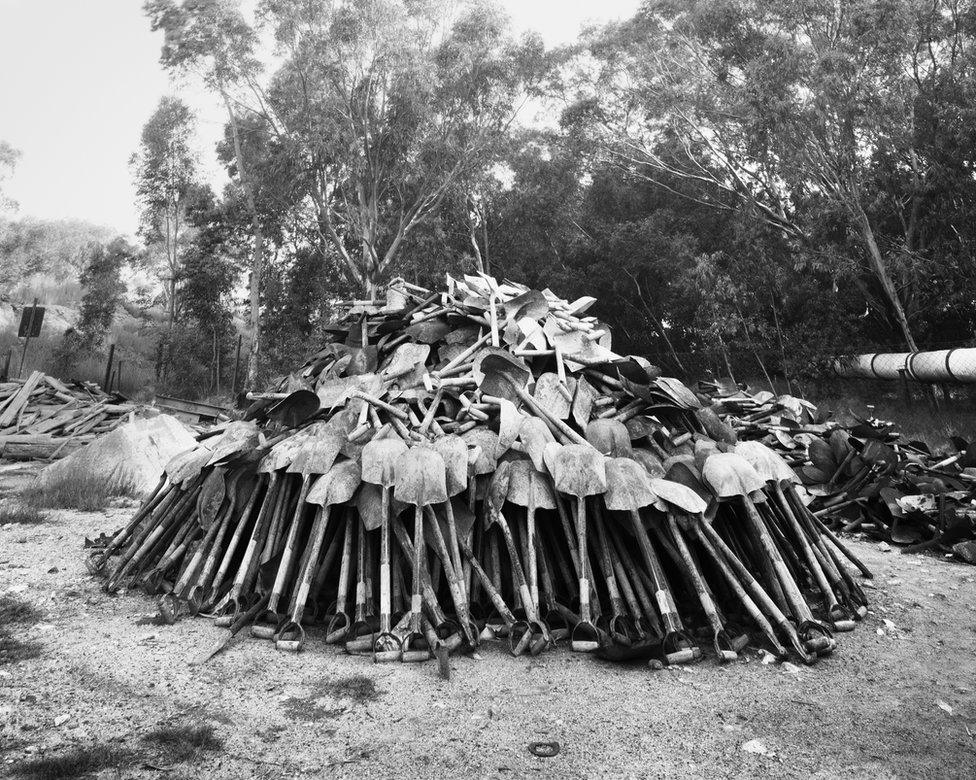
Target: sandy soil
x=896, y=700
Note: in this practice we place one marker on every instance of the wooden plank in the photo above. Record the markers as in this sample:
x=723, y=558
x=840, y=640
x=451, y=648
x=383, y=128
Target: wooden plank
x=17, y=401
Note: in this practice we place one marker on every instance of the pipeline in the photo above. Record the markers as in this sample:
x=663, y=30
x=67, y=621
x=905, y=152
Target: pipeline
x=943, y=365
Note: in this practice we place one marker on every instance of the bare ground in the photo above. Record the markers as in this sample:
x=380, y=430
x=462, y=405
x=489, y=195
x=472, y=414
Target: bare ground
x=896, y=699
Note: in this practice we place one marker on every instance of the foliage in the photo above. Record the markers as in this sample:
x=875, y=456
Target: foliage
x=76, y=488
x=104, y=289
x=56, y=249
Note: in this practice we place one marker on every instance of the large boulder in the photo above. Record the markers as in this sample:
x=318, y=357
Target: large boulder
x=133, y=453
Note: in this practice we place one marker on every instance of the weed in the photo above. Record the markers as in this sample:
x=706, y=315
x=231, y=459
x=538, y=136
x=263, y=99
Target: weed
x=358, y=687
x=76, y=762
x=184, y=742
x=76, y=488
x=14, y=610
x=21, y=514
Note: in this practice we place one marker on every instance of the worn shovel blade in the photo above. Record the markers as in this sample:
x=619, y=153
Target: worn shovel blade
x=730, y=475
x=509, y=424
x=649, y=460
x=583, y=399
x=239, y=436
x=500, y=374
x=421, y=477
x=628, y=485
x=770, y=465
x=526, y=484
x=454, y=450
x=369, y=504
x=535, y=435
x=486, y=442
x=684, y=498
x=337, y=485
x=316, y=454
x=295, y=409
x=379, y=459
x=609, y=437
x=211, y=496
x=580, y=470
x=549, y=396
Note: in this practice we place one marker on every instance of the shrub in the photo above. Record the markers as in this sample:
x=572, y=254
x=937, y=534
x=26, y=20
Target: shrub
x=76, y=488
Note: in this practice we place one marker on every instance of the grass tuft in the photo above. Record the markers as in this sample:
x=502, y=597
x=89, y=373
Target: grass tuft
x=181, y=743
x=20, y=514
x=14, y=611
x=358, y=687
x=76, y=762
x=78, y=488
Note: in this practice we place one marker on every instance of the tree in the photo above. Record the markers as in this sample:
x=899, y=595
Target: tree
x=212, y=39
x=790, y=107
x=165, y=173
x=8, y=161
x=389, y=104
x=104, y=290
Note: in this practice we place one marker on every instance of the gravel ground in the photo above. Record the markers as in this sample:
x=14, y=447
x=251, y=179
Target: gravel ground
x=895, y=700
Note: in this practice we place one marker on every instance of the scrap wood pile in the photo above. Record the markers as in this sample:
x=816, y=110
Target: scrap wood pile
x=864, y=476
x=475, y=463
x=42, y=417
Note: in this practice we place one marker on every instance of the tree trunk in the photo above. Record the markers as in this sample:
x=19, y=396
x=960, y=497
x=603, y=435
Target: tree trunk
x=257, y=253
x=880, y=270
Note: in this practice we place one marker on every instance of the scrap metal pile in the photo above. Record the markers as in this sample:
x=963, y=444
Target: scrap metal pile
x=475, y=463
x=42, y=417
x=864, y=476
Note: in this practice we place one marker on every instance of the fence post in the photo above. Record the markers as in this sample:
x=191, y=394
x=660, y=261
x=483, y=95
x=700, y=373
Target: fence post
x=108, y=368
x=118, y=377
x=237, y=364
x=5, y=374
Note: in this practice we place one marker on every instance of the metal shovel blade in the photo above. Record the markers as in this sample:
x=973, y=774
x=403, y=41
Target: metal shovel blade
x=525, y=482
x=730, y=475
x=628, y=485
x=337, y=485
x=580, y=470
x=610, y=437
x=379, y=460
x=768, y=464
x=454, y=450
x=420, y=477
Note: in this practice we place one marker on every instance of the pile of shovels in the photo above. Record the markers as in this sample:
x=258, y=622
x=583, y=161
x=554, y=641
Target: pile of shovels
x=477, y=463
x=863, y=475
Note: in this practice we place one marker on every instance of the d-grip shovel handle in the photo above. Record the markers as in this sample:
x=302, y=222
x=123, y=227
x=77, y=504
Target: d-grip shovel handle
x=529, y=635
x=585, y=638
x=816, y=637
x=840, y=618
x=338, y=628
x=680, y=648
x=387, y=648
x=290, y=636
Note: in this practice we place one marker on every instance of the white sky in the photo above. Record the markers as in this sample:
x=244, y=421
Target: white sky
x=78, y=79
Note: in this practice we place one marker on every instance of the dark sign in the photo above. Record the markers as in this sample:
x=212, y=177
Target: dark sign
x=31, y=327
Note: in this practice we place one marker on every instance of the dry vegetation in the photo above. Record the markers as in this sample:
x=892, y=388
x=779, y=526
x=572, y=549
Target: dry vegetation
x=76, y=488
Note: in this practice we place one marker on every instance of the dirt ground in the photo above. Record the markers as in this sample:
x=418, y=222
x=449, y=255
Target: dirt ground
x=896, y=699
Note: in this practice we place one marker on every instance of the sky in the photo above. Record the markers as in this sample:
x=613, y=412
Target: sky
x=80, y=78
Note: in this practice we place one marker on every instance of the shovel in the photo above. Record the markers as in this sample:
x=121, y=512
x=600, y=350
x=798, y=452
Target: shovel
x=316, y=455
x=580, y=471
x=730, y=476
x=379, y=468
x=772, y=468
x=421, y=481
x=531, y=633
x=336, y=486
x=629, y=490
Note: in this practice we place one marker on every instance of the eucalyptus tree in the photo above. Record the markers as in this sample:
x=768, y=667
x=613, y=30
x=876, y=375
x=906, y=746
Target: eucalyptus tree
x=792, y=107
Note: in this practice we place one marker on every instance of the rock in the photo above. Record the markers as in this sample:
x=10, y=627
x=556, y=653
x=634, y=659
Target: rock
x=135, y=452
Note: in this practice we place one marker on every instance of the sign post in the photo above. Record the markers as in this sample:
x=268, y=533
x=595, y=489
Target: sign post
x=30, y=327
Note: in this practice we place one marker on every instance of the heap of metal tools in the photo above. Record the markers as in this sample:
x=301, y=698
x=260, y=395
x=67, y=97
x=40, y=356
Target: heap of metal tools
x=475, y=463
x=862, y=474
